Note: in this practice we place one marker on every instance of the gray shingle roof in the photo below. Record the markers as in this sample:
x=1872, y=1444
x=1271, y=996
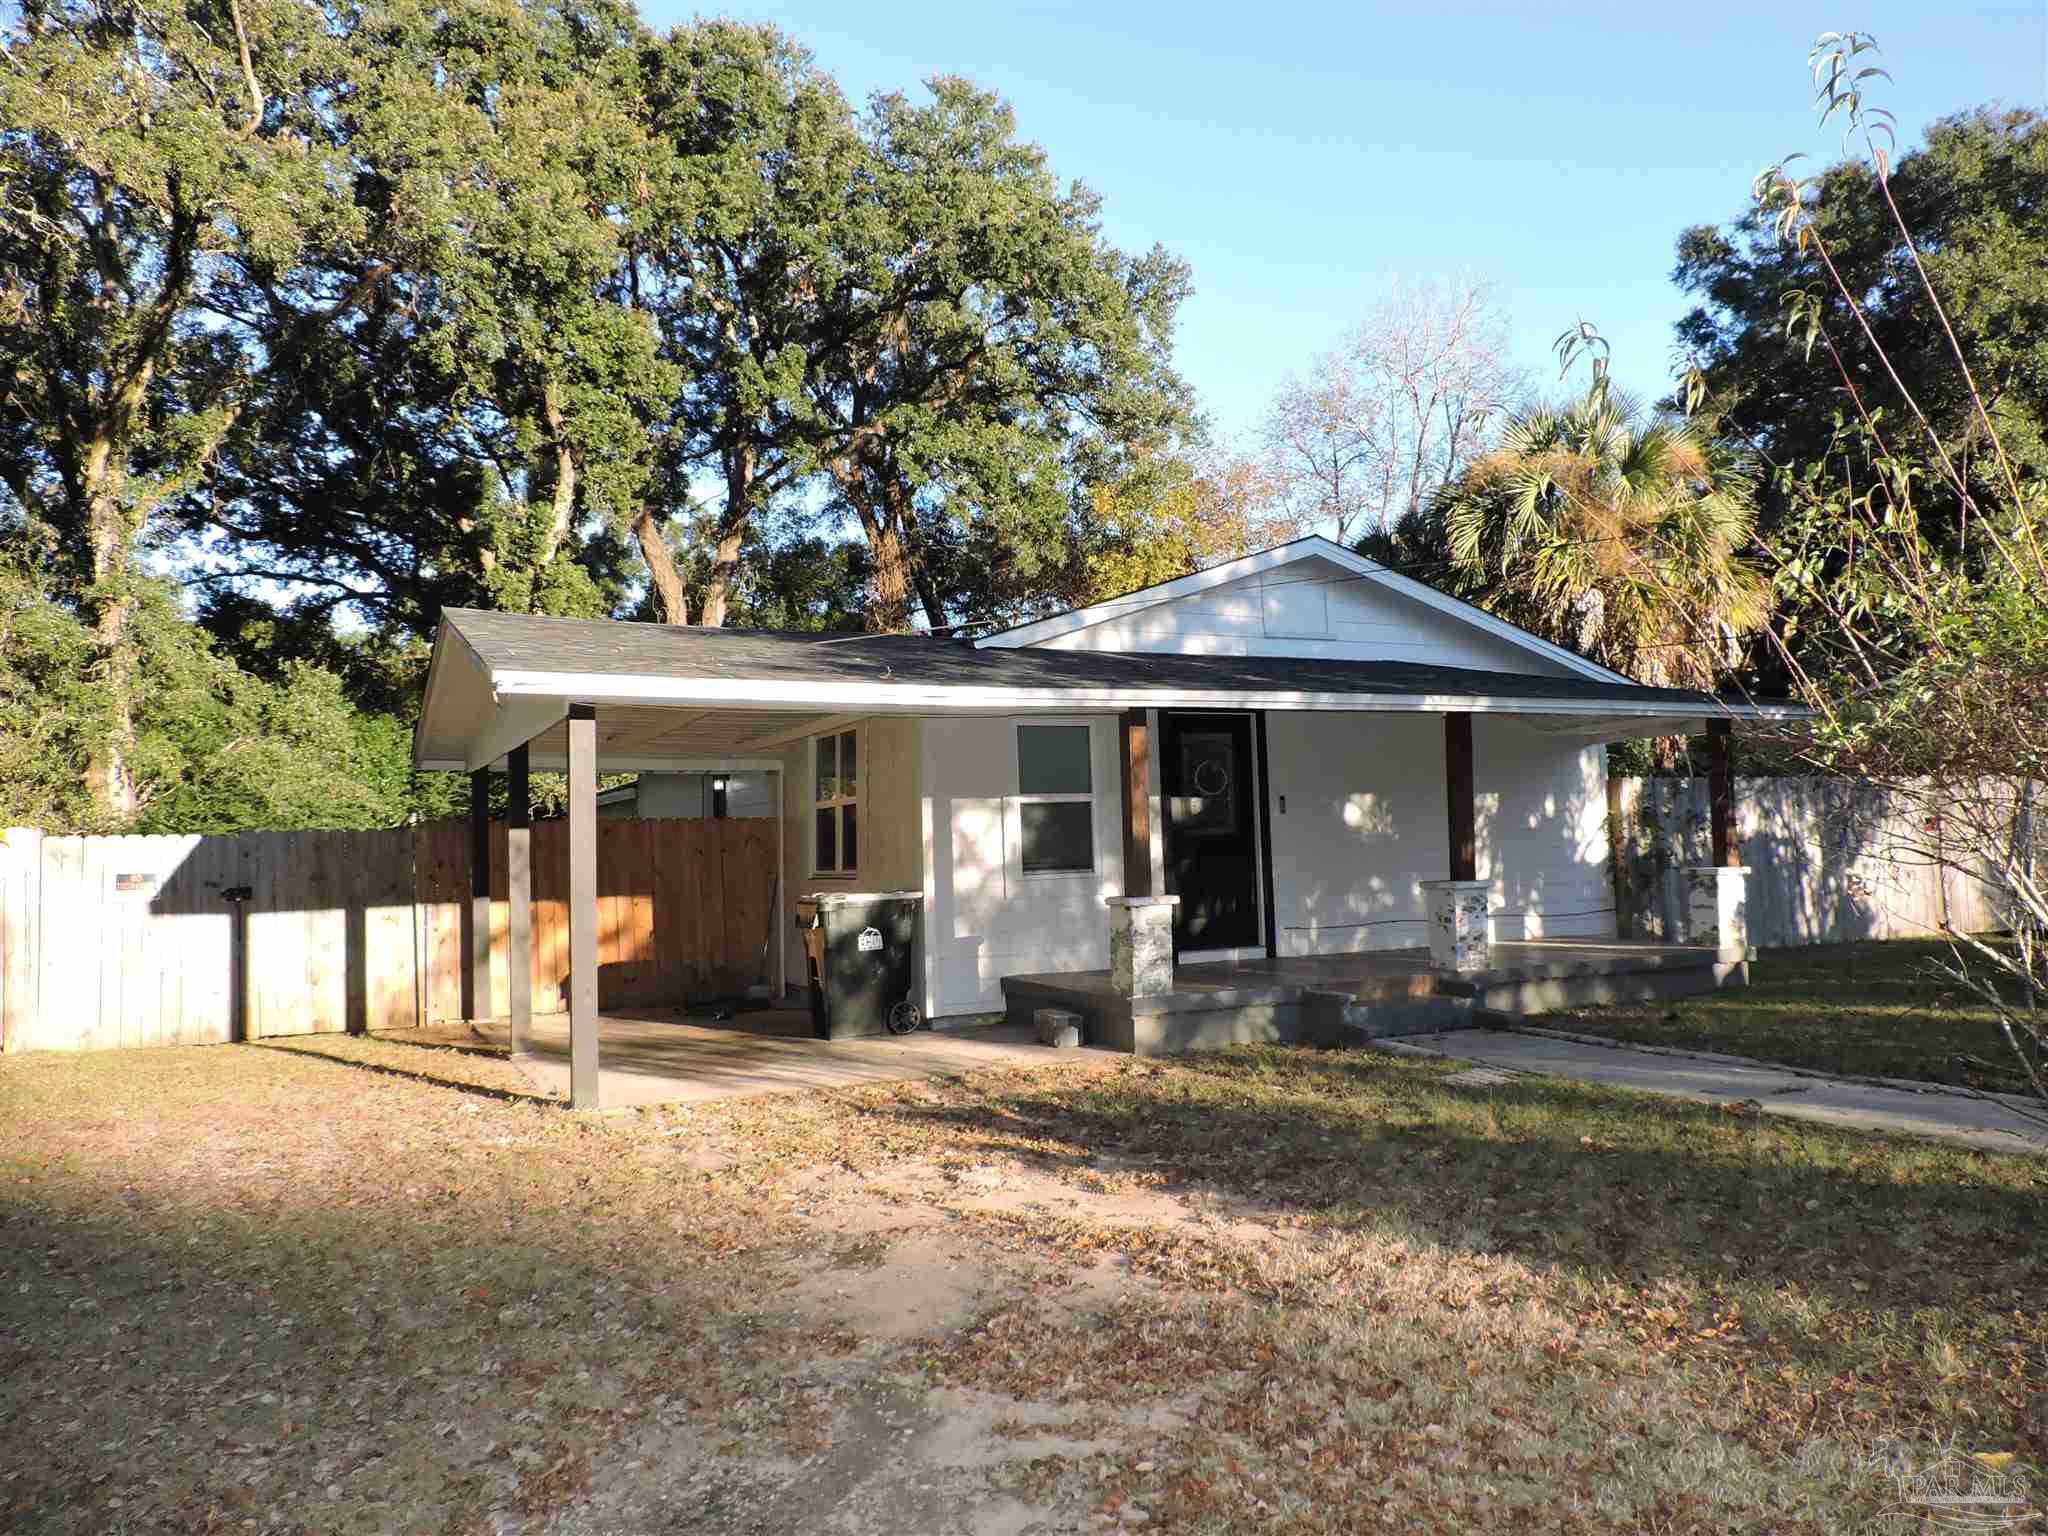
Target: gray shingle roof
x=526, y=643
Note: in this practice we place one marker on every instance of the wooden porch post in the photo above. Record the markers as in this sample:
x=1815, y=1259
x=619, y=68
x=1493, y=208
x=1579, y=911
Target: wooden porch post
x=1137, y=766
x=582, y=906
x=519, y=897
x=476, y=991
x=1721, y=792
x=1458, y=790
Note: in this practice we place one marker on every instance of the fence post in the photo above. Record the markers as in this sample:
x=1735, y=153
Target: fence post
x=21, y=957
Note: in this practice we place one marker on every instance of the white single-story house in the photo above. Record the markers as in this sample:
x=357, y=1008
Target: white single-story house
x=1294, y=758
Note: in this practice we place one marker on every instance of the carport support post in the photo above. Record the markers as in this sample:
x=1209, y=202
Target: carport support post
x=476, y=992
x=519, y=897
x=582, y=906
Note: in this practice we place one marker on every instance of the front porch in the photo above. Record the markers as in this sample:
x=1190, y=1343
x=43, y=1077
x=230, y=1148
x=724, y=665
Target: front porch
x=1343, y=998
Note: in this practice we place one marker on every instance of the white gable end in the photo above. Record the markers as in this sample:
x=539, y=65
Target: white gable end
x=1308, y=607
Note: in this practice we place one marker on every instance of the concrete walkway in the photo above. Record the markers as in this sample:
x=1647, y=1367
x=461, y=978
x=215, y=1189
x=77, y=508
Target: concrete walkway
x=1974, y=1120
x=663, y=1060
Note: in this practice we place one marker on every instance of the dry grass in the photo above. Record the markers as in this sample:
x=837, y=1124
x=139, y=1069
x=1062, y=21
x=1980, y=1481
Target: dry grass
x=263, y=1289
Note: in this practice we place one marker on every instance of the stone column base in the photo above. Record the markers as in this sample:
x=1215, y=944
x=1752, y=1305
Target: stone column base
x=1457, y=925
x=1717, y=908
x=1141, y=944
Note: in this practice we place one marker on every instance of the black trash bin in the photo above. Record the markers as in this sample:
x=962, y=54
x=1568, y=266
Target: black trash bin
x=861, y=951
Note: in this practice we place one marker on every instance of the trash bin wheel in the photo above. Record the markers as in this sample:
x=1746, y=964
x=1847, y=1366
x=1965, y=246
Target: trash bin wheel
x=904, y=1017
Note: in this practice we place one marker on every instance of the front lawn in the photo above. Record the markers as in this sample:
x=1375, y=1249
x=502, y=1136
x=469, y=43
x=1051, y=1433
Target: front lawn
x=339, y=1285
x=1874, y=1010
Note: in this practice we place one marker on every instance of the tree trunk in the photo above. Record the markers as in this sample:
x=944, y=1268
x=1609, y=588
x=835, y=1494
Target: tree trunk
x=671, y=601
x=921, y=574
x=109, y=774
x=732, y=528
x=563, y=510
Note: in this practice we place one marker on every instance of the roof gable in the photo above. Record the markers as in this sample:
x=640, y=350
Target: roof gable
x=1308, y=598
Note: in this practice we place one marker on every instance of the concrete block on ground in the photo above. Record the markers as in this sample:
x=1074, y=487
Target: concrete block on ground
x=1058, y=1027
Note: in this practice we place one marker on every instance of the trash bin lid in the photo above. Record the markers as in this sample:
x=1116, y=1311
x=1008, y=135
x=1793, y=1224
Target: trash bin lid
x=854, y=898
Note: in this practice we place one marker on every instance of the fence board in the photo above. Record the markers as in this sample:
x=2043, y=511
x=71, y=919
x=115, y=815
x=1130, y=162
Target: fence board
x=130, y=941
x=1830, y=862
x=21, y=954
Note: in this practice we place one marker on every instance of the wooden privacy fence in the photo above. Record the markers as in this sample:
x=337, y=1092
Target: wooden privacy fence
x=117, y=941
x=1830, y=860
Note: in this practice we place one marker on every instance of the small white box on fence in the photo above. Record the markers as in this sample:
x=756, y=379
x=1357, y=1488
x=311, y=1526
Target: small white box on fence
x=1059, y=1028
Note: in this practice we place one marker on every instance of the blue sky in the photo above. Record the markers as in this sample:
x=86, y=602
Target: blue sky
x=1302, y=156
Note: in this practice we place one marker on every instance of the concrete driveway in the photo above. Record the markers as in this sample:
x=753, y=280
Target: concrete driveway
x=665, y=1059
x=1977, y=1120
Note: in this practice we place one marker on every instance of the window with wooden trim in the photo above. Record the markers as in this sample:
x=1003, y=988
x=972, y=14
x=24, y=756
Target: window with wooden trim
x=1055, y=799
x=835, y=802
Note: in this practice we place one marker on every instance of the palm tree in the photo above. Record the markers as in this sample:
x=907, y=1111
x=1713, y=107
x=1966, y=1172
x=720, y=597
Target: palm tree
x=1617, y=534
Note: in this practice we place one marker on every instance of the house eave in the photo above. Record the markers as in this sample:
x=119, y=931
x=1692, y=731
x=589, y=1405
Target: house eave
x=916, y=698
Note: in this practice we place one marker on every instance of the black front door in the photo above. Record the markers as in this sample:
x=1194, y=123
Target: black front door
x=1212, y=855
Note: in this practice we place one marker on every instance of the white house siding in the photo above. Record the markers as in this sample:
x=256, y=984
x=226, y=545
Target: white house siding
x=985, y=918
x=1307, y=608
x=1367, y=821
x=1542, y=810
x=891, y=849
x=687, y=795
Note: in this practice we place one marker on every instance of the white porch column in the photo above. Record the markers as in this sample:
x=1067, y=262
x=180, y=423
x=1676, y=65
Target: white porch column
x=1457, y=924
x=1717, y=908
x=583, y=1078
x=1141, y=944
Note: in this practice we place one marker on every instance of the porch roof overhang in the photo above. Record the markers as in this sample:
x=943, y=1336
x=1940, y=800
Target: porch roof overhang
x=677, y=697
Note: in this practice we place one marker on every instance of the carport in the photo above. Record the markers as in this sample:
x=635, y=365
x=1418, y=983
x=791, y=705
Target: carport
x=528, y=709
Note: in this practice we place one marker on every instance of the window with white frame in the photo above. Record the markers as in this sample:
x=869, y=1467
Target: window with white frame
x=835, y=798
x=1055, y=799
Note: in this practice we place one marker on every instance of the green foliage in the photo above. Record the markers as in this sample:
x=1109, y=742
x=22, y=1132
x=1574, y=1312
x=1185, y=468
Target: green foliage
x=1619, y=535
x=988, y=358
x=216, y=748
x=50, y=712
x=391, y=307
x=803, y=584
x=1910, y=544
x=1976, y=196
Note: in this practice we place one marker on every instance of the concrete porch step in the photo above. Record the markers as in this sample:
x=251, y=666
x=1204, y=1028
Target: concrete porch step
x=1344, y=1000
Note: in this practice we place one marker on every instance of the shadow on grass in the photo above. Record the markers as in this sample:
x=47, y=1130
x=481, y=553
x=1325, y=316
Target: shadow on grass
x=312, y=1052
x=1629, y=1188
x=195, y=1363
